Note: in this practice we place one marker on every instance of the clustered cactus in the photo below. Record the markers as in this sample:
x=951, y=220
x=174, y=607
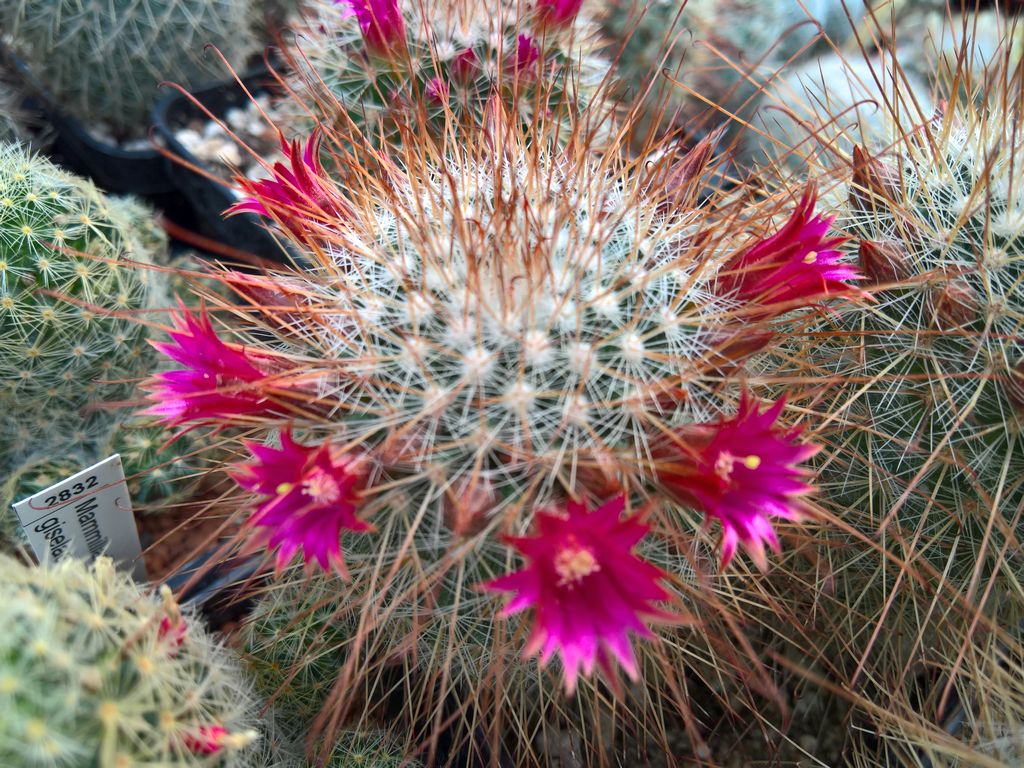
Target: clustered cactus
x=388, y=63
x=94, y=672
x=104, y=61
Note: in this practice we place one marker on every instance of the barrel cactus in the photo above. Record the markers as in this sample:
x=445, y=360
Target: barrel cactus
x=504, y=365
x=95, y=672
x=389, y=63
x=103, y=61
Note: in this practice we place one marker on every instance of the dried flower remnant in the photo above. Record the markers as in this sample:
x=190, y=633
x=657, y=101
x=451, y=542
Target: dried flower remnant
x=587, y=588
x=742, y=471
x=313, y=496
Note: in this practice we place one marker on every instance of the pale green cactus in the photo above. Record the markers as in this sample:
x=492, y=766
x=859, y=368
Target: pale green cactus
x=104, y=60
x=70, y=282
x=95, y=672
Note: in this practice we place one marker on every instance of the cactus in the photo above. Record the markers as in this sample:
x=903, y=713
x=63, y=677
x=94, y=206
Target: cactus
x=940, y=217
x=103, y=61
x=455, y=56
x=498, y=335
x=66, y=289
x=94, y=672
x=720, y=50
x=918, y=604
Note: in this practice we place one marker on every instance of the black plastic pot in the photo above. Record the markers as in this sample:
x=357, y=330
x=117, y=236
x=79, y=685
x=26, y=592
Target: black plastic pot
x=138, y=171
x=209, y=197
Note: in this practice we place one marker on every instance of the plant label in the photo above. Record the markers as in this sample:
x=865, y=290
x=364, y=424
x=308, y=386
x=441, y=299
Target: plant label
x=86, y=515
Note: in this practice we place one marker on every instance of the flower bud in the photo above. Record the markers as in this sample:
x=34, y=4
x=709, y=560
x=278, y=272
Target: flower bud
x=873, y=181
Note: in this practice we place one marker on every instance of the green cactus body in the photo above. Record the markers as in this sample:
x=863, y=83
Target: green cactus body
x=67, y=290
x=710, y=47
x=104, y=61
x=380, y=93
x=94, y=672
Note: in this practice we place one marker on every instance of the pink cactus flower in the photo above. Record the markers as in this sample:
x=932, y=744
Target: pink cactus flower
x=741, y=471
x=523, y=65
x=587, y=588
x=465, y=66
x=217, y=381
x=381, y=23
x=313, y=494
x=207, y=740
x=558, y=12
x=797, y=266
x=297, y=196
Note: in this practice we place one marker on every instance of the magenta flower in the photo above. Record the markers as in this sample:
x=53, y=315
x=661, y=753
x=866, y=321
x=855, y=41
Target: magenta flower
x=313, y=496
x=217, y=382
x=381, y=23
x=296, y=196
x=524, y=63
x=587, y=588
x=796, y=266
x=559, y=12
x=741, y=471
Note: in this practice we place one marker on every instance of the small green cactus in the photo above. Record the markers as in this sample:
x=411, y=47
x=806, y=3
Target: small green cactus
x=104, y=60
x=68, y=285
x=94, y=672
x=370, y=749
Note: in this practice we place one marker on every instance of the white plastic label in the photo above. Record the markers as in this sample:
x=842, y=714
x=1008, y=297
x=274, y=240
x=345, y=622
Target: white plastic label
x=87, y=515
